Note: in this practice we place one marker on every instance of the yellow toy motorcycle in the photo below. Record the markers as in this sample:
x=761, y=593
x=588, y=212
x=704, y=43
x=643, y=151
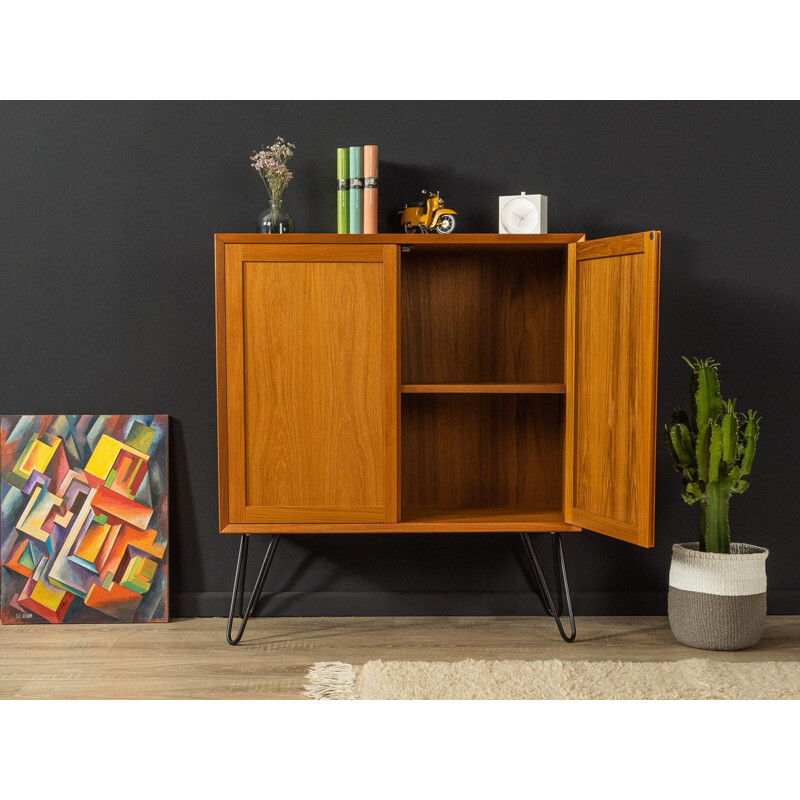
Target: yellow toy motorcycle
x=428, y=215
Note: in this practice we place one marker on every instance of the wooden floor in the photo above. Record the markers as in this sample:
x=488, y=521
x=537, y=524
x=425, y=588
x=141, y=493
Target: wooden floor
x=189, y=658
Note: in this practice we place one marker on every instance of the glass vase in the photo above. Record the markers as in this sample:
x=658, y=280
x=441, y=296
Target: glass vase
x=275, y=219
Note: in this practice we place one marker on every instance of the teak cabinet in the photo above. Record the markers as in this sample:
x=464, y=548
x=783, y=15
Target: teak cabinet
x=437, y=383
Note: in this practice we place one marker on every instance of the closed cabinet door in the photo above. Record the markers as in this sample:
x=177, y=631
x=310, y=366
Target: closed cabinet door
x=310, y=378
x=611, y=366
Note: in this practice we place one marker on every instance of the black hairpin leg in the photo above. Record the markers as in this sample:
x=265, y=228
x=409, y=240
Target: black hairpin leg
x=237, y=599
x=562, y=585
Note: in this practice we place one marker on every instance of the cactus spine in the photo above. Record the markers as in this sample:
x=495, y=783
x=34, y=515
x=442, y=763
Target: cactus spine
x=713, y=450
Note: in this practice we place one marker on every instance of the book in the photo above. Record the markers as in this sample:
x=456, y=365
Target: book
x=370, y=200
x=356, y=189
x=342, y=189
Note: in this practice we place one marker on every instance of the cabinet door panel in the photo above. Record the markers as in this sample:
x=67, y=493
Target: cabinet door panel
x=311, y=384
x=611, y=395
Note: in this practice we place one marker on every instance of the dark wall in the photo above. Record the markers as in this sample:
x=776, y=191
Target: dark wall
x=107, y=212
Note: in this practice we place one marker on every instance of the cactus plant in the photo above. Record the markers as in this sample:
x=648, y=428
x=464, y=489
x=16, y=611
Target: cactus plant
x=713, y=450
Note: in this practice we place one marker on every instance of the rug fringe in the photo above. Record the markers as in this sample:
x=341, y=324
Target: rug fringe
x=331, y=680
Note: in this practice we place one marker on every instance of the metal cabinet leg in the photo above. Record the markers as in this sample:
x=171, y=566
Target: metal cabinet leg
x=562, y=584
x=555, y=611
x=237, y=597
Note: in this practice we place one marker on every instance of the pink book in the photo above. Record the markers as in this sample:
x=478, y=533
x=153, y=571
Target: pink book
x=370, y=188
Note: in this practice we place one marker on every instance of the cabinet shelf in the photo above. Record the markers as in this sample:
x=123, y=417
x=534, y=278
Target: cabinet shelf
x=483, y=388
x=499, y=514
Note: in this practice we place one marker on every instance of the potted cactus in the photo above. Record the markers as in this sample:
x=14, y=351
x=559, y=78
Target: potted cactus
x=717, y=589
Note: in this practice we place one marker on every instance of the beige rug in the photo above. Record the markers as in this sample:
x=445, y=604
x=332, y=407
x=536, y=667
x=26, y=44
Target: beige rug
x=691, y=679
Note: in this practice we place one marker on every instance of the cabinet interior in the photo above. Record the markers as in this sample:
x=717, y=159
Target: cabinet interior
x=499, y=453
x=479, y=316
x=482, y=382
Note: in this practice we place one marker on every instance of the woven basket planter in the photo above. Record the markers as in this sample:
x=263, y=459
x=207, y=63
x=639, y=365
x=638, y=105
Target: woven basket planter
x=718, y=601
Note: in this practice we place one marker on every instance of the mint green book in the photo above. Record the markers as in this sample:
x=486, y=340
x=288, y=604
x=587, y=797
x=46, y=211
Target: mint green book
x=356, y=192
x=342, y=189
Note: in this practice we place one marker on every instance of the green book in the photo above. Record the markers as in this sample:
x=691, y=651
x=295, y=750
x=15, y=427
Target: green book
x=343, y=189
x=355, y=223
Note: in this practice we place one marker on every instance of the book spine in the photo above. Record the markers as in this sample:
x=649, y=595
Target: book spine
x=370, y=188
x=356, y=188
x=342, y=189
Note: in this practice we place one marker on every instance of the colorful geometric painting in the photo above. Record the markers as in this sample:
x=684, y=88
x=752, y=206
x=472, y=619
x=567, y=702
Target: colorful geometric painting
x=84, y=518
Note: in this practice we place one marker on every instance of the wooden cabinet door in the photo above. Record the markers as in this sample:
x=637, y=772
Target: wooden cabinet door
x=309, y=368
x=611, y=367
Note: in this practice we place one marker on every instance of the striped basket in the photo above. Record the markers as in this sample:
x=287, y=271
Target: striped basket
x=718, y=601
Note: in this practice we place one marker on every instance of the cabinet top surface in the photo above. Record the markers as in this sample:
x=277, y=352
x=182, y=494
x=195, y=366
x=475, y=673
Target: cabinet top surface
x=432, y=239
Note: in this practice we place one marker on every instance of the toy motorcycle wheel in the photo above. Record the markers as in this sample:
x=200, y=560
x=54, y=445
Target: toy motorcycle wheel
x=446, y=224
x=408, y=227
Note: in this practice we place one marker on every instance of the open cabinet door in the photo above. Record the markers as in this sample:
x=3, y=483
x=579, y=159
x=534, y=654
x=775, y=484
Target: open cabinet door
x=611, y=370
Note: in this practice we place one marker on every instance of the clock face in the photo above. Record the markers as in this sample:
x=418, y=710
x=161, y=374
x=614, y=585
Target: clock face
x=520, y=215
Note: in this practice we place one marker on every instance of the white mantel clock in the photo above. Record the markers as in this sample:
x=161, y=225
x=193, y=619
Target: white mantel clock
x=523, y=213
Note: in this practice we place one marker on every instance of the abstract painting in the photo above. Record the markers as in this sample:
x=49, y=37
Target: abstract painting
x=84, y=518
